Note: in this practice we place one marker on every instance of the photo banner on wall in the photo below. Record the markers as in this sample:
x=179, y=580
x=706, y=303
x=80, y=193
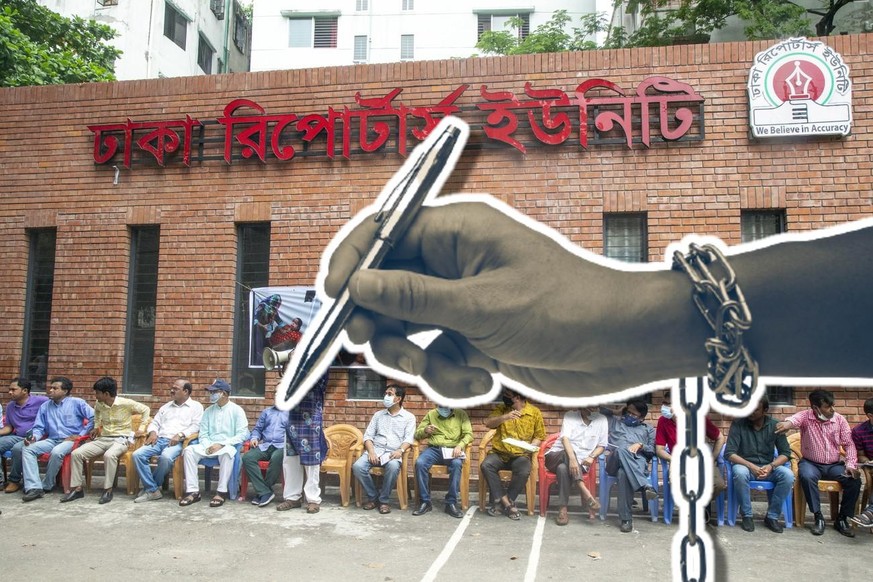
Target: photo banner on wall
x=279, y=316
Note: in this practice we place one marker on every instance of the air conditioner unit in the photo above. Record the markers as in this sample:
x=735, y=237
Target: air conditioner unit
x=217, y=7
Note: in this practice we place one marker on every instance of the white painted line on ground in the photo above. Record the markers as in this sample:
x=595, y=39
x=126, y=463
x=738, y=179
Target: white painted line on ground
x=534, y=560
x=444, y=556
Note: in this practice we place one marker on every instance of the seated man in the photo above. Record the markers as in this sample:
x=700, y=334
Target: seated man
x=224, y=426
x=442, y=428
x=862, y=436
x=665, y=442
x=267, y=443
x=20, y=416
x=62, y=419
x=632, y=442
x=584, y=435
x=750, y=445
x=111, y=437
x=389, y=434
x=822, y=432
x=177, y=420
x=514, y=418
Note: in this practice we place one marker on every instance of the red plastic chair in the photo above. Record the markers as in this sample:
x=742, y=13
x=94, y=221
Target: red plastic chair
x=547, y=479
x=244, y=478
x=67, y=465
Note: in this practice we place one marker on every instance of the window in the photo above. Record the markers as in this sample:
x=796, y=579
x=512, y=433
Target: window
x=497, y=23
x=360, y=55
x=217, y=7
x=107, y=2
x=624, y=237
x=38, y=306
x=407, y=46
x=312, y=32
x=361, y=5
x=253, y=270
x=758, y=224
x=204, y=55
x=408, y=5
x=175, y=25
x=365, y=384
x=780, y=395
x=240, y=31
x=142, y=294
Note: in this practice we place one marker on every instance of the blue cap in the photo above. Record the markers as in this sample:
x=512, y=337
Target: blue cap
x=219, y=384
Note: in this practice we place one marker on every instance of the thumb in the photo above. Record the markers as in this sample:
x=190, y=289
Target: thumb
x=416, y=298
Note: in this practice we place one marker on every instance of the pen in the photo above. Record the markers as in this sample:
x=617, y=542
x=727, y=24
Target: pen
x=417, y=181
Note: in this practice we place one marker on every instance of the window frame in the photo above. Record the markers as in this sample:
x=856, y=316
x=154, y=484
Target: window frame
x=643, y=249
x=366, y=49
x=752, y=223
x=407, y=43
x=483, y=25
x=133, y=377
x=177, y=19
x=202, y=42
x=326, y=26
x=40, y=272
x=248, y=276
x=373, y=381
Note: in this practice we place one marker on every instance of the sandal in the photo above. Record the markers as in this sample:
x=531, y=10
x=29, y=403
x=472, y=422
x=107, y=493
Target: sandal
x=189, y=499
x=512, y=513
x=593, y=504
x=495, y=509
x=313, y=508
x=217, y=501
x=384, y=508
x=369, y=505
x=864, y=519
x=562, y=517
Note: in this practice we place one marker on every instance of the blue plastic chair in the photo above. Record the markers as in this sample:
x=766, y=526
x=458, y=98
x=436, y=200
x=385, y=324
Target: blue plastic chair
x=720, y=501
x=768, y=486
x=6, y=455
x=233, y=483
x=606, y=483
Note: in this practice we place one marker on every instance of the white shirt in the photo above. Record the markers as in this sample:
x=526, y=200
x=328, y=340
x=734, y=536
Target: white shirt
x=584, y=438
x=173, y=419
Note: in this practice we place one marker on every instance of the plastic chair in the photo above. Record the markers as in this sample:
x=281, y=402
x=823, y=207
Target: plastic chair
x=179, y=468
x=126, y=460
x=402, y=485
x=345, y=445
x=443, y=471
x=606, y=483
x=547, y=479
x=6, y=455
x=668, y=504
x=506, y=475
x=244, y=477
x=768, y=486
x=832, y=487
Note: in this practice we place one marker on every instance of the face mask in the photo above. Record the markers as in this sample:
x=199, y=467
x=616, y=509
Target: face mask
x=821, y=417
x=666, y=411
x=444, y=411
x=507, y=401
x=214, y=397
x=388, y=401
x=593, y=415
x=631, y=420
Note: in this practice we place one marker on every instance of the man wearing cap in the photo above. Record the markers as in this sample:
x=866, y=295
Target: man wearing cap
x=20, y=416
x=176, y=421
x=224, y=426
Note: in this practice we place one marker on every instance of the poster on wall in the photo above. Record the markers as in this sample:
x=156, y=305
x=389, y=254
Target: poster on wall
x=799, y=88
x=279, y=316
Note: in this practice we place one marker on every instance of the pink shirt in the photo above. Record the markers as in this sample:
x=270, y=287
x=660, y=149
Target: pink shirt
x=820, y=441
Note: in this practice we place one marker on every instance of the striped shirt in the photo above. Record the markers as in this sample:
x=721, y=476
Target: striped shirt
x=862, y=436
x=820, y=441
x=116, y=420
x=388, y=431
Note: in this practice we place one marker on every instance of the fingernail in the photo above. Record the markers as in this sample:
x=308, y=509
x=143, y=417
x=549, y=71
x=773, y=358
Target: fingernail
x=405, y=364
x=368, y=286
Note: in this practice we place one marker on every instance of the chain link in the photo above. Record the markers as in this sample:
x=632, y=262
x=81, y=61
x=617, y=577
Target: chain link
x=693, y=496
x=732, y=373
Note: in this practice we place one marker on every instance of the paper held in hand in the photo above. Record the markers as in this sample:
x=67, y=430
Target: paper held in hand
x=449, y=453
x=521, y=444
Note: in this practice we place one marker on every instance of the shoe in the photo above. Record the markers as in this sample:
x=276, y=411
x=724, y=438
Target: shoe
x=842, y=526
x=32, y=494
x=290, y=504
x=773, y=525
x=863, y=519
x=106, y=497
x=819, y=525
x=265, y=499
x=453, y=510
x=313, y=508
x=149, y=496
x=73, y=495
x=423, y=508
x=12, y=487
x=748, y=524
x=651, y=494
x=627, y=526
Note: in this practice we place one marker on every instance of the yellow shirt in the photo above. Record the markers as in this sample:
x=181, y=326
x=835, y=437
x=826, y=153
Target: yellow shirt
x=528, y=428
x=115, y=420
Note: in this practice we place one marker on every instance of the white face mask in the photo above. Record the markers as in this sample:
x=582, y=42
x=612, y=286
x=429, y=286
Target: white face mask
x=388, y=401
x=666, y=411
x=214, y=397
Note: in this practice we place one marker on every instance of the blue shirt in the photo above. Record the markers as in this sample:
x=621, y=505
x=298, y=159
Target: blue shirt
x=270, y=428
x=72, y=416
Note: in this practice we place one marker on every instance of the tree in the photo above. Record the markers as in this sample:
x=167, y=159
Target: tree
x=41, y=47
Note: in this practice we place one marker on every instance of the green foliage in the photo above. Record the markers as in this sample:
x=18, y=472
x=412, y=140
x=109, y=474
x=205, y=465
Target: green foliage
x=41, y=47
x=768, y=20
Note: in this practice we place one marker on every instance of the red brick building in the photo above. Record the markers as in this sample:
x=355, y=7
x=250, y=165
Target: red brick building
x=140, y=273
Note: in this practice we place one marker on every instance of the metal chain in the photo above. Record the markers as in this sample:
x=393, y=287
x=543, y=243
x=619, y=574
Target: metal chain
x=732, y=373
x=692, y=495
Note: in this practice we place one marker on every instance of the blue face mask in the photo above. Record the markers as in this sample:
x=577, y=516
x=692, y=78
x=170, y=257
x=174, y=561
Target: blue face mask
x=388, y=401
x=444, y=411
x=631, y=420
x=666, y=411
x=214, y=397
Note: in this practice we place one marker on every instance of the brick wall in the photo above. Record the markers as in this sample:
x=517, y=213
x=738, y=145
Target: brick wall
x=50, y=179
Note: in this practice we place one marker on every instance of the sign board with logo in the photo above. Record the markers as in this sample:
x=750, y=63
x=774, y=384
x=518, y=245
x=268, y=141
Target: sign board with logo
x=799, y=87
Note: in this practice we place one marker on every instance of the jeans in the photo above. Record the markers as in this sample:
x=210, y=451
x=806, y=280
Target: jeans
x=432, y=456
x=14, y=443
x=58, y=448
x=809, y=474
x=167, y=455
x=490, y=467
x=361, y=469
x=781, y=477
